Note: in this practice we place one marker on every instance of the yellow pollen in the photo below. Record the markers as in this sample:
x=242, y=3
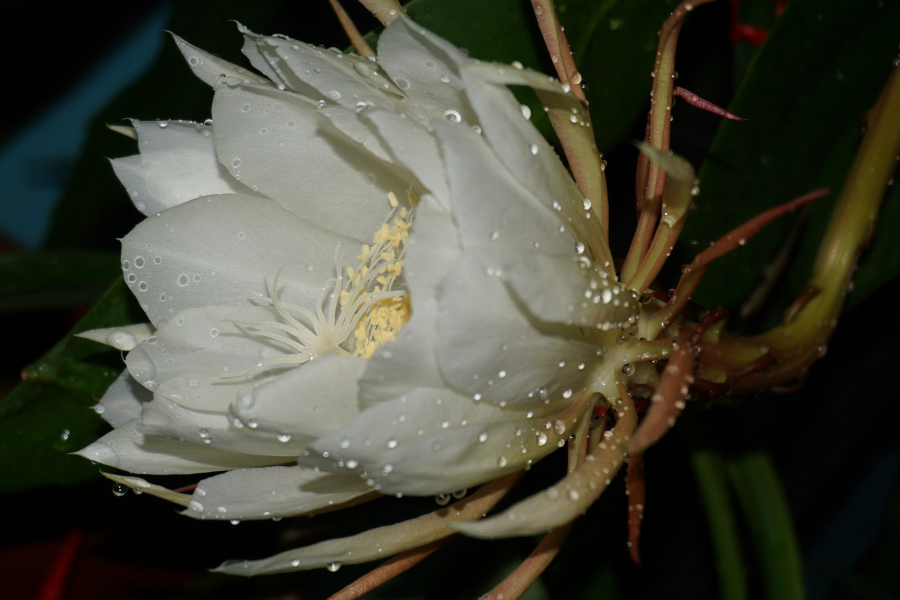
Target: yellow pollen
x=383, y=318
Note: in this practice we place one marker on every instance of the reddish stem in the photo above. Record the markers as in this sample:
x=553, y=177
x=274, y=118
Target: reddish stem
x=637, y=495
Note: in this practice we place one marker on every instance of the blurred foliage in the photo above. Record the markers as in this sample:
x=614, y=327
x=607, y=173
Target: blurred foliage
x=805, y=92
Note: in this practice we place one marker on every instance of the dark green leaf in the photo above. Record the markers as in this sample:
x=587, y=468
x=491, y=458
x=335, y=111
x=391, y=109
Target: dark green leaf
x=709, y=470
x=48, y=415
x=770, y=524
x=805, y=93
x=44, y=280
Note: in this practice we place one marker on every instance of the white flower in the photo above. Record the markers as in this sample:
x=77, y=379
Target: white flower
x=379, y=267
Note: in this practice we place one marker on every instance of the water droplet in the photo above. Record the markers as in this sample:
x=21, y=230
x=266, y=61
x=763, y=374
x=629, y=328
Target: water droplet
x=392, y=443
x=559, y=427
x=119, y=490
x=333, y=566
x=236, y=163
x=573, y=495
x=541, y=438
x=501, y=462
x=526, y=111
x=245, y=108
x=587, y=204
x=284, y=438
x=334, y=95
x=495, y=235
x=483, y=437
x=579, y=248
x=402, y=83
x=533, y=149
x=362, y=70
x=295, y=563
x=442, y=499
x=445, y=79
x=452, y=116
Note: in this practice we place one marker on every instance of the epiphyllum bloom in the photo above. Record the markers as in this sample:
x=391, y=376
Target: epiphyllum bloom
x=377, y=267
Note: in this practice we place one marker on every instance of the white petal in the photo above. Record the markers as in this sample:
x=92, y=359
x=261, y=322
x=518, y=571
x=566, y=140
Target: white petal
x=191, y=357
x=211, y=69
x=491, y=206
x=433, y=247
x=433, y=441
x=487, y=347
x=123, y=401
x=330, y=75
x=130, y=450
x=524, y=151
x=178, y=163
x=143, y=486
x=271, y=492
x=276, y=142
x=312, y=400
x=570, y=497
x=123, y=338
x=163, y=418
x=414, y=146
x=220, y=250
x=400, y=366
x=559, y=289
x=381, y=542
x=426, y=68
x=360, y=131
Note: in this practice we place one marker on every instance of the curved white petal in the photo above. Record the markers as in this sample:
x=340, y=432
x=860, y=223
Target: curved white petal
x=128, y=449
x=141, y=486
x=433, y=441
x=360, y=131
x=177, y=163
x=491, y=207
x=212, y=69
x=407, y=363
x=312, y=400
x=276, y=143
x=570, y=497
x=123, y=338
x=123, y=401
x=271, y=492
x=344, y=79
x=218, y=251
x=560, y=289
x=164, y=418
x=489, y=349
x=433, y=247
x=193, y=359
x=525, y=152
x=426, y=68
x=414, y=146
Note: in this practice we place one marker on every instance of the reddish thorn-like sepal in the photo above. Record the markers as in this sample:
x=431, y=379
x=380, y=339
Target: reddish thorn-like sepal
x=698, y=102
x=637, y=495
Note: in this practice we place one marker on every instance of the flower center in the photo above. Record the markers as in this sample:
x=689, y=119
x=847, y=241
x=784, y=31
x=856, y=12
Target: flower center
x=381, y=318
x=359, y=310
